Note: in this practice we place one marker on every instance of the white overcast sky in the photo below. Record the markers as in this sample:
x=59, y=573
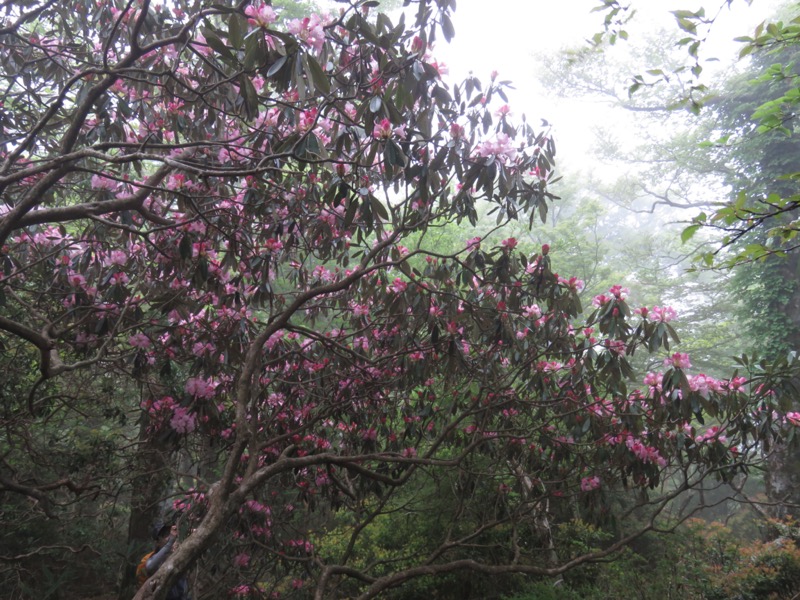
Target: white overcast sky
x=510, y=35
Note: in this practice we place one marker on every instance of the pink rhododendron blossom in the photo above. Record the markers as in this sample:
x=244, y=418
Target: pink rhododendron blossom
x=76, y=280
x=261, y=15
x=664, y=314
x=200, y=388
x=653, y=382
x=619, y=292
x=383, y=130
x=117, y=258
x=398, y=286
x=473, y=243
x=793, y=418
x=704, y=385
x=103, y=183
x=735, y=384
x=713, y=434
x=241, y=560
x=600, y=300
x=509, y=243
x=503, y=111
x=615, y=347
x=139, y=340
x=532, y=312
x=500, y=148
x=590, y=483
x=679, y=360
x=309, y=30
x=573, y=283
x=182, y=420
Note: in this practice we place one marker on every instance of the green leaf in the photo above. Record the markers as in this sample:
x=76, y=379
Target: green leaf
x=249, y=96
x=447, y=28
x=317, y=75
x=689, y=232
x=185, y=247
x=394, y=155
x=213, y=40
x=378, y=208
x=277, y=65
x=235, y=28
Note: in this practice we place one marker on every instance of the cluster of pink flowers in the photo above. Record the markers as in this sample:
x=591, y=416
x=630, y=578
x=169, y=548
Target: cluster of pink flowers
x=309, y=30
x=705, y=385
x=241, y=560
x=509, y=243
x=590, y=483
x=382, y=130
x=532, y=312
x=642, y=451
x=200, y=388
x=679, y=360
x=664, y=314
x=302, y=545
x=398, y=286
x=600, y=300
x=653, y=383
x=713, y=434
x=139, y=340
x=261, y=15
x=182, y=420
x=500, y=148
x=103, y=183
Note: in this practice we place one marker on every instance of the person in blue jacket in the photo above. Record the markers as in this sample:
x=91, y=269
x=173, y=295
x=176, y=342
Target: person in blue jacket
x=166, y=537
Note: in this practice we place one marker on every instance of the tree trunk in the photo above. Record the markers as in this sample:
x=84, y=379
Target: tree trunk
x=782, y=479
x=150, y=483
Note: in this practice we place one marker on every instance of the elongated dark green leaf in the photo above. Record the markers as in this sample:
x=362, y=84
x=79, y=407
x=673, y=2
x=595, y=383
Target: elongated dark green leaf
x=447, y=28
x=378, y=208
x=235, y=29
x=249, y=96
x=277, y=66
x=317, y=75
x=213, y=40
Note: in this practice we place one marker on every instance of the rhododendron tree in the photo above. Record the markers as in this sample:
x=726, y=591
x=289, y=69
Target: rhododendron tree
x=225, y=210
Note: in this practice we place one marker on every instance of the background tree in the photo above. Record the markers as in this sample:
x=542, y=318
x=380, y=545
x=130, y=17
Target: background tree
x=736, y=162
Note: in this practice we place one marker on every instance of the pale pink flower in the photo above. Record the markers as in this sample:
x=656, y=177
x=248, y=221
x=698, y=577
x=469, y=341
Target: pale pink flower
x=664, y=314
x=398, y=286
x=199, y=388
x=713, y=434
x=101, y=182
x=509, y=243
x=241, y=560
x=139, y=340
x=590, y=483
x=309, y=30
x=383, y=130
x=600, y=300
x=182, y=420
x=679, y=360
x=500, y=148
x=532, y=312
x=260, y=16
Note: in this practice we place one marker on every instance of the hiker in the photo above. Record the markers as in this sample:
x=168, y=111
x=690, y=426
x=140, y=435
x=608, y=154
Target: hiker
x=166, y=537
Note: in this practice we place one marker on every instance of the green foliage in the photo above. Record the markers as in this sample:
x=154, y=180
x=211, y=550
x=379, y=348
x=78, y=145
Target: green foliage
x=700, y=561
